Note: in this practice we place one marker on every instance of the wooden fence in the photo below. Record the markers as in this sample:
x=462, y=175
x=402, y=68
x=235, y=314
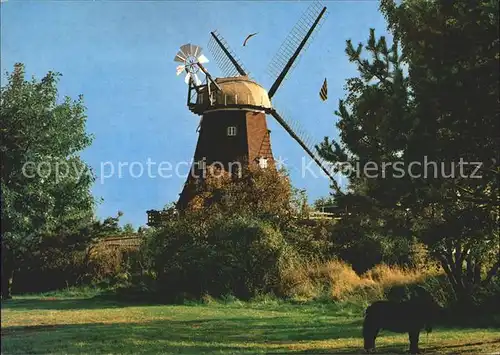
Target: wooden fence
x=129, y=241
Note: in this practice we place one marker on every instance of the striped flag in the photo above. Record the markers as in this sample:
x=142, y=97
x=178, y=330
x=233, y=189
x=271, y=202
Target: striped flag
x=323, y=93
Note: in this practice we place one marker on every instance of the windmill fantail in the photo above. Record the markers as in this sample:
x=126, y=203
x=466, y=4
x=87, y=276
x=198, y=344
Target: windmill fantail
x=233, y=125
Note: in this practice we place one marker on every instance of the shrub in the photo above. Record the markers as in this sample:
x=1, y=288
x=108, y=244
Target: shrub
x=389, y=276
x=315, y=279
x=240, y=256
x=336, y=280
x=105, y=262
x=234, y=237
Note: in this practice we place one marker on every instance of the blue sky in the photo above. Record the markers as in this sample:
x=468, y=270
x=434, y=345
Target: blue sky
x=119, y=55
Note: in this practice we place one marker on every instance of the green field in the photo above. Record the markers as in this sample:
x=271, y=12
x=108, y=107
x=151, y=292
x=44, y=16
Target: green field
x=69, y=325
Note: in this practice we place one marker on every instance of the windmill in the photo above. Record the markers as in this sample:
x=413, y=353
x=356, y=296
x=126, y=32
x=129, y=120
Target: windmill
x=233, y=108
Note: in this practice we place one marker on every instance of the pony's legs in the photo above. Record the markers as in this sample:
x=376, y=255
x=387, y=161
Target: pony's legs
x=370, y=332
x=414, y=335
x=375, y=333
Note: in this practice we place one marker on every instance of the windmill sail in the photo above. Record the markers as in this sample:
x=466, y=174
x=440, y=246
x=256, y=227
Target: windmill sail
x=309, y=149
x=285, y=60
x=236, y=95
x=323, y=93
x=224, y=57
x=281, y=65
x=297, y=39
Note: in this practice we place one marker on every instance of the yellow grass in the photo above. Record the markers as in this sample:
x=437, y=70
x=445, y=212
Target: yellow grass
x=339, y=281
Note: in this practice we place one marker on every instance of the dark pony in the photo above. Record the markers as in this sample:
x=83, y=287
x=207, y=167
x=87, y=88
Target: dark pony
x=411, y=316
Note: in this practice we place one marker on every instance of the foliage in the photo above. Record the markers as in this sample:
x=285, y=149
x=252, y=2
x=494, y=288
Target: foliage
x=323, y=202
x=236, y=236
x=430, y=96
x=238, y=256
x=81, y=258
x=355, y=240
x=45, y=184
x=128, y=229
x=336, y=280
x=109, y=226
x=263, y=193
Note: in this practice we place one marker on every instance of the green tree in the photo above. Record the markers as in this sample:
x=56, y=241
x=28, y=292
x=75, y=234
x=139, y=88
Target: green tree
x=263, y=193
x=45, y=184
x=432, y=95
x=110, y=226
x=128, y=229
x=236, y=235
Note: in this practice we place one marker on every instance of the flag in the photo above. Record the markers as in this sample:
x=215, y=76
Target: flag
x=323, y=93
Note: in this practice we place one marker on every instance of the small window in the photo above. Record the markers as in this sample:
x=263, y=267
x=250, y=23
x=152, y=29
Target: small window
x=263, y=163
x=231, y=131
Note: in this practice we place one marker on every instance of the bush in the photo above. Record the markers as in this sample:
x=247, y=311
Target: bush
x=353, y=240
x=241, y=256
x=388, y=276
x=244, y=236
x=59, y=267
x=234, y=237
x=314, y=279
x=105, y=263
x=336, y=280
x=49, y=270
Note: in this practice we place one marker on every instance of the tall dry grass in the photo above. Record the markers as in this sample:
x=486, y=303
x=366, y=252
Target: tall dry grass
x=337, y=280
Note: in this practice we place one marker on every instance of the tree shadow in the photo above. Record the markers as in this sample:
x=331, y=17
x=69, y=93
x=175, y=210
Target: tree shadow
x=76, y=303
x=277, y=332
x=52, y=303
x=234, y=335
x=106, y=301
x=482, y=343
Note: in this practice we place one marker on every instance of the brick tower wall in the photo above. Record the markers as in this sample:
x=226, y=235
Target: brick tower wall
x=213, y=142
x=252, y=140
x=258, y=137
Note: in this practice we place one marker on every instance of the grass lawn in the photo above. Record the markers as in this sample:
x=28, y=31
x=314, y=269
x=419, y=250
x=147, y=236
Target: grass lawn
x=71, y=325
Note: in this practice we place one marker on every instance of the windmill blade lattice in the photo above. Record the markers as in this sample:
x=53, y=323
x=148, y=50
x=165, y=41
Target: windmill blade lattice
x=225, y=57
x=299, y=39
x=305, y=141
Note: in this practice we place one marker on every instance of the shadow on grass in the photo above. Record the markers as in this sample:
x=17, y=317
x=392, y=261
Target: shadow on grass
x=52, y=303
x=109, y=301
x=483, y=343
x=205, y=336
x=306, y=334
x=232, y=335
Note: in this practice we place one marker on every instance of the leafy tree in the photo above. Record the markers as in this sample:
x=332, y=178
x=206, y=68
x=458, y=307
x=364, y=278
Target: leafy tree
x=238, y=255
x=128, y=228
x=323, y=202
x=235, y=236
x=110, y=226
x=45, y=184
x=430, y=96
x=263, y=193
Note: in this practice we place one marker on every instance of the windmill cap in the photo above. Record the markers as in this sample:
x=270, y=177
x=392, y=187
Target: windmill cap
x=236, y=93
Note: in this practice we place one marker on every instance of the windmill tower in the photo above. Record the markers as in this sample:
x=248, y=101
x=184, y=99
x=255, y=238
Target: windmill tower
x=233, y=124
x=233, y=108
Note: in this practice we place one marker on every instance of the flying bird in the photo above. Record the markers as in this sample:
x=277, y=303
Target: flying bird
x=323, y=93
x=248, y=37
